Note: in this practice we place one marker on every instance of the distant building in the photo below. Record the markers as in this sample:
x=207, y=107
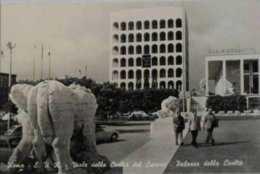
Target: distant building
x=233, y=74
x=149, y=48
x=4, y=80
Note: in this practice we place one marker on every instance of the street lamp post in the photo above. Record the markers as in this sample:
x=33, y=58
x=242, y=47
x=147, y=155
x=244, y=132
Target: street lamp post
x=1, y=56
x=11, y=47
x=49, y=74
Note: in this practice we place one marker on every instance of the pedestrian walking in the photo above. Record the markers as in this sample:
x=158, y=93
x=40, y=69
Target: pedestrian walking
x=210, y=122
x=194, y=126
x=178, y=125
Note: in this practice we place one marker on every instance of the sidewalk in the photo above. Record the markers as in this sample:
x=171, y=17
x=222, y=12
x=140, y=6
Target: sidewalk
x=237, y=150
x=154, y=156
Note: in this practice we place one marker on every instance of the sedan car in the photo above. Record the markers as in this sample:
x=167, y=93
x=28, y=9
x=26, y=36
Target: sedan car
x=12, y=136
x=106, y=135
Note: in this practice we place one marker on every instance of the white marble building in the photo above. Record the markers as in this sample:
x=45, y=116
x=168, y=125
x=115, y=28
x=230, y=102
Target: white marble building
x=233, y=73
x=148, y=48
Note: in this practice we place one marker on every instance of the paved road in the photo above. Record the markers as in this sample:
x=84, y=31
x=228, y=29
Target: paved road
x=128, y=142
x=237, y=150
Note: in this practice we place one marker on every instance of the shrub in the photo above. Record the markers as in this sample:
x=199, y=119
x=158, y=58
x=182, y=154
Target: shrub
x=226, y=103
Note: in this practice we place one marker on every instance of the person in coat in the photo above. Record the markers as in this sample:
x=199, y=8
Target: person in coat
x=178, y=125
x=207, y=123
x=194, y=126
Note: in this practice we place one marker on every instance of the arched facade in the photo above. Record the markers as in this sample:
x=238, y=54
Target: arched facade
x=156, y=37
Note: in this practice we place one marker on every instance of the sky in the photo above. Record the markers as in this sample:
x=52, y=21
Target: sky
x=76, y=32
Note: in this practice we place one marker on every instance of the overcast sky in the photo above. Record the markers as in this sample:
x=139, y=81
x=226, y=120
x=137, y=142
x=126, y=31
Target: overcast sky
x=77, y=34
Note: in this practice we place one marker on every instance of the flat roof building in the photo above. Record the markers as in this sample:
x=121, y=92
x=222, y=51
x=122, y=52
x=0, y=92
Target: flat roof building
x=149, y=48
x=233, y=74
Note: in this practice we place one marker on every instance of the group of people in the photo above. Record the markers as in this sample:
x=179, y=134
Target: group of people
x=207, y=121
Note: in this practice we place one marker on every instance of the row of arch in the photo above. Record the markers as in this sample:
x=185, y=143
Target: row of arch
x=154, y=24
x=146, y=37
x=154, y=84
x=130, y=74
x=155, y=61
x=147, y=49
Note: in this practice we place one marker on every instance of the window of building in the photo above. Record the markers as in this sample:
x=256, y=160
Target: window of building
x=115, y=75
x=170, y=85
x=122, y=74
x=162, y=73
x=130, y=62
x=146, y=74
x=170, y=35
x=154, y=73
x=123, y=26
x=178, y=47
x=170, y=48
x=130, y=86
x=131, y=49
x=178, y=35
x=162, y=36
x=123, y=62
x=251, y=77
x=178, y=72
x=162, y=60
x=115, y=38
x=138, y=25
x=123, y=50
x=130, y=38
x=162, y=85
x=154, y=36
x=138, y=49
x=170, y=60
x=138, y=84
x=115, y=62
x=139, y=61
x=146, y=24
x=115, y=26
x=154, y=61
x=139, y=37
x=130, y=74
x=115, y=50
x=170, y=23
x=122, y=85
x=138, y=74
x=154, y=49
x=154, y=84
x=131, y=25
x=146, y=37
x=154, y=24
x=178, y=23
x=162, y=23
x=170, y=72
x=123, y=38
x=146, y=49
x=178, y=60
x=179, y=85
x=162, y=48
x=146, y=83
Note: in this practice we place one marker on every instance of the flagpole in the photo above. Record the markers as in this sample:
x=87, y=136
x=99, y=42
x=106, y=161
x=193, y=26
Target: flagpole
x=86, y=70
x=49, y=54
x=1, y=56
x=42, y=62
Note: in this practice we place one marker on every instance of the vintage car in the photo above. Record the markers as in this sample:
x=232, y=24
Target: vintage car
x=106, y=135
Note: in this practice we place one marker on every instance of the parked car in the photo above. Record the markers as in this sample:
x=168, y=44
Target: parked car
x=12, y=136
x=141, y=115
x=8, y=141
x=106, y=135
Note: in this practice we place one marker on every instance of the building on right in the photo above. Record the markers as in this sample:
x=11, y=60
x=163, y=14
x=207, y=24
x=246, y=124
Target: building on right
x=232, y=73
